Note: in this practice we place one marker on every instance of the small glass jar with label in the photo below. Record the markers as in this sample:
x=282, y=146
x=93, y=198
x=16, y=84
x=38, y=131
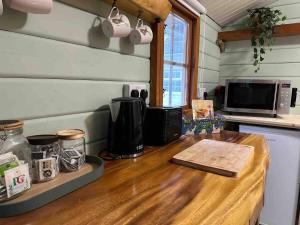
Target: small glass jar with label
x=72, y=143
x=13, y=140
x=15, y=160
x=45, y=153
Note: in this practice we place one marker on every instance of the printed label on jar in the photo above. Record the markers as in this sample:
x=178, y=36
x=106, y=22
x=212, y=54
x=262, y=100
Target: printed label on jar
x=78, y=148
x=2, y=140
x=8, y=161
x=17, y=180
x=46, y=168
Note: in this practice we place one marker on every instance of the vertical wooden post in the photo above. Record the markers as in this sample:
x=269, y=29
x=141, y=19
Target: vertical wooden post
x=195, y=59
x=156, y=64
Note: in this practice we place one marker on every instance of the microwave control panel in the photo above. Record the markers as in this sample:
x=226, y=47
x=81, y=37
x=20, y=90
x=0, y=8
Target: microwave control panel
x=284, y=97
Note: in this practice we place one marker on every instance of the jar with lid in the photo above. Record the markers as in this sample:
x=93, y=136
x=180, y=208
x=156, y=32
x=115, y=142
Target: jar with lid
x=13, y=140
x=45, y=153
x=15, y=157
x=72, y=143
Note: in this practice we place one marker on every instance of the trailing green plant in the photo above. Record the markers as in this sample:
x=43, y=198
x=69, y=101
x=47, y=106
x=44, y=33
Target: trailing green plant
x=262, y=22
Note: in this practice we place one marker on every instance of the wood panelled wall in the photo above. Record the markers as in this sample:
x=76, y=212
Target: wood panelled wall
x=283, y=62
x=209, y=67
x=59, y=71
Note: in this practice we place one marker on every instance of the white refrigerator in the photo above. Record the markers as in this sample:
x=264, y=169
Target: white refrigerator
x=282, y=184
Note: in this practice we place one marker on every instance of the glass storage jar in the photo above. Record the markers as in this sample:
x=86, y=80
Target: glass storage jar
x=45, y=153
x=72, y=143
x=15, y=158
x=12, y=140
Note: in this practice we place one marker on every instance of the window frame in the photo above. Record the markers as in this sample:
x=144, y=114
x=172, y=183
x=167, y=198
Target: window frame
x=187, y=49
x=157, y=56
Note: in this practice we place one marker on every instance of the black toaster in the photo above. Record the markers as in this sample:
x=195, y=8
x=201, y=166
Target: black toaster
x=162, y=125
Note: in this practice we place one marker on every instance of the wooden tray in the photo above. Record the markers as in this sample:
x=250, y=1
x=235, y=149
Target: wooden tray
x=43, y=193
x=218, y=157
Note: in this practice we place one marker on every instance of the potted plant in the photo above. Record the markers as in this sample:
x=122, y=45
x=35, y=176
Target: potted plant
x=262, y=22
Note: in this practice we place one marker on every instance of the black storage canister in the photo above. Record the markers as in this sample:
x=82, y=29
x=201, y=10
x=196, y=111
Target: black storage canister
x=45, y=152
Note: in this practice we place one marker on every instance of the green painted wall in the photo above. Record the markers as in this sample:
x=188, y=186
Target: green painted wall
x=59, y=71
x=282, y=63
x=209, y=68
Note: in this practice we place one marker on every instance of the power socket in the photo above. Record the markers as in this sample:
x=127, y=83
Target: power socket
x=127, y=88
x=201, y=92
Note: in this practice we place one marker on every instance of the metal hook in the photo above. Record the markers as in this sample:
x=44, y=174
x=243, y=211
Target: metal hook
x=140, y=12
x=114, y=3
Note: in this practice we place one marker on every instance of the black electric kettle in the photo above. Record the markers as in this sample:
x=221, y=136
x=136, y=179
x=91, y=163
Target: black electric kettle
x=126, y=127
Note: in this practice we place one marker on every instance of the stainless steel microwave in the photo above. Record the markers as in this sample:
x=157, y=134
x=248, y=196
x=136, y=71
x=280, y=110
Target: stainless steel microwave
x=258, y=96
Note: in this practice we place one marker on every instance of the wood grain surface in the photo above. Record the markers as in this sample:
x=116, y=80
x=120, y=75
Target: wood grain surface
x=150, y=9
x=219, y=157
x=152, y=190
x=245, y=34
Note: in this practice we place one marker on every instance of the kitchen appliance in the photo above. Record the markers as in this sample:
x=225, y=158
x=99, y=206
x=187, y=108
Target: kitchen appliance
x=258, y=96
x=162, y=125
x=283, y=176
x=126, y=128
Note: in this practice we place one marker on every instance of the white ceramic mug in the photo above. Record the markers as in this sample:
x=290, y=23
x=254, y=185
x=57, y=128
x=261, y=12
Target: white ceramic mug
x=31, y=6
x=1, y=7
x=117, y=25
x=142, y=34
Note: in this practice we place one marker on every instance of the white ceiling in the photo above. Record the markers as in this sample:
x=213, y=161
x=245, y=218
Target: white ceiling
x=224, y=12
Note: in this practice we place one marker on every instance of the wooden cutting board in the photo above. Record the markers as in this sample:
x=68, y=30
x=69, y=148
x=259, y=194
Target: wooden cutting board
x=218, y=157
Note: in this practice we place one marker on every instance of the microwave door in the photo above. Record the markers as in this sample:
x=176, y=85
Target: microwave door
x=251, y=97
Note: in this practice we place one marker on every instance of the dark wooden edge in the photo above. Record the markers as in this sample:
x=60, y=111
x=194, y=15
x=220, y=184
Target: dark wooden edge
x=8, y=209
x=204, y=168
x=246, y=34
x=157, y=52
x=256, y=214
x=195, y=60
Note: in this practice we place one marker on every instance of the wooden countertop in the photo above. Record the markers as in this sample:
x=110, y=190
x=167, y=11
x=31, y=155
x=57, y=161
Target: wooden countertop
x=152, y=190
x=285, y=121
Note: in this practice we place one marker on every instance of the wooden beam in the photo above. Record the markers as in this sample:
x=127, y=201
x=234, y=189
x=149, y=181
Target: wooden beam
x=246, y=34
x=150, y=9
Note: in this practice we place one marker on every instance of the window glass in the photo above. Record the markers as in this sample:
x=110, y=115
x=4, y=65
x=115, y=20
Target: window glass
x=168, y=40
x=175, y=62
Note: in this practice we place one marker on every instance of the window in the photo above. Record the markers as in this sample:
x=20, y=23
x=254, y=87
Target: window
x=175, y=70
x=174, y=58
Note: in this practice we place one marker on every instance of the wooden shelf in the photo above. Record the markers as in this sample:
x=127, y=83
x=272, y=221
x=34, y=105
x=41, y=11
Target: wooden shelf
x=151, y=9
x=245, y=34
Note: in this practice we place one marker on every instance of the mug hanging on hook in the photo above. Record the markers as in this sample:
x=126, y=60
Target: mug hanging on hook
x=31, y=6
x=1, y=7
x=116, y=24
x=142, y=34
